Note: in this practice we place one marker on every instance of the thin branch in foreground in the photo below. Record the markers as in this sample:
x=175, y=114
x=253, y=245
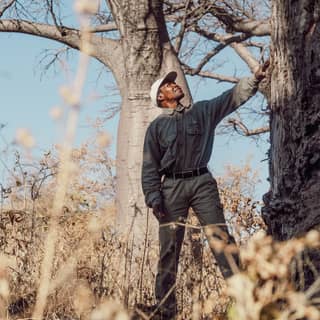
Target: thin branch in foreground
x=72, y=97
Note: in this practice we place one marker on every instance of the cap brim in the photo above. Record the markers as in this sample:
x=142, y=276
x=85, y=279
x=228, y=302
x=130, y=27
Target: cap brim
x=169, y=77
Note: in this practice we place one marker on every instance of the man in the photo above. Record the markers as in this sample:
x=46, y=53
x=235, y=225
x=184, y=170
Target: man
x=177, y=148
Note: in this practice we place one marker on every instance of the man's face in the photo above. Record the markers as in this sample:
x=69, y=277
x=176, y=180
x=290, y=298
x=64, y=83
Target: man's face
x=170, y=91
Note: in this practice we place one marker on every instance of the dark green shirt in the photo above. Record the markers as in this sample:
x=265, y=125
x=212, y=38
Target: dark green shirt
x=182, y=139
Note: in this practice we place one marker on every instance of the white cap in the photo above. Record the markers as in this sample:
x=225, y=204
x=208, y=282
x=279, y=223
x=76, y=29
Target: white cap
x=169, y=77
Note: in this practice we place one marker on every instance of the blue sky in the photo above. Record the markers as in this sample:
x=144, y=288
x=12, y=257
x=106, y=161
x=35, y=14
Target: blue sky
x=27, y=98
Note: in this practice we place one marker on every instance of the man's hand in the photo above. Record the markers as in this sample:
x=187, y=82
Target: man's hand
x=158, y=210
x=260, y=73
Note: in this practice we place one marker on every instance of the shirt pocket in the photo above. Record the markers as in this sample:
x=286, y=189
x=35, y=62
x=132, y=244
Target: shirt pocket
x=194, y=128
x=194, y=139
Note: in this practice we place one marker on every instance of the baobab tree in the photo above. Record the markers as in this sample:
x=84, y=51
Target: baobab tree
x=139, y=41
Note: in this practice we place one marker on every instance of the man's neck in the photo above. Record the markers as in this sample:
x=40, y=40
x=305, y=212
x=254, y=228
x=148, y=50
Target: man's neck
x=171, y=111
x=171, y=104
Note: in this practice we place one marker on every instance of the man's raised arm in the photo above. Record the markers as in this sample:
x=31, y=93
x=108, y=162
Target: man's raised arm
x=230, y=100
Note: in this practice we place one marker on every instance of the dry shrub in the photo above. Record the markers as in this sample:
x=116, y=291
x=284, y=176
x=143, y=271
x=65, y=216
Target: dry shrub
x=92, y=262
x=100, y=274
x=237, y=193
x=266, y=290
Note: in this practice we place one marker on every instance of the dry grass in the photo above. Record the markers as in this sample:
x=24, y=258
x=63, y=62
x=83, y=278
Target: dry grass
x=94, y=270
x=92, y=265
x=98, y=274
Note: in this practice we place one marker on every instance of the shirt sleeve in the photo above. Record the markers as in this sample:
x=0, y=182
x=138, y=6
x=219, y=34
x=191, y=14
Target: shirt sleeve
x=151, y=179
x=230, y=100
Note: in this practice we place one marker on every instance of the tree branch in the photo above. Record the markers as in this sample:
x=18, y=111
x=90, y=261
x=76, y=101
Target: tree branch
x=179, y=38
x=239, y=24
x=111, y=26
x=6, y=6
x=66, y=35
x=245, y=55
x=250, y=43
x=225, y=39
x=207, y=74
x=254, y=27
x=104, y=49
x=53, y=15
x=242, y=129
x=171, y=7
x=233, y=22
x=207, y=58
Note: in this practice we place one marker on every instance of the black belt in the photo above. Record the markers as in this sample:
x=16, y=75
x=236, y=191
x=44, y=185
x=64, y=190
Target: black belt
x=187, y=174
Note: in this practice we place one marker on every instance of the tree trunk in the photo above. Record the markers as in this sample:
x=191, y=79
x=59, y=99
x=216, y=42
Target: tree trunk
x=292, y=207
x=147, y=56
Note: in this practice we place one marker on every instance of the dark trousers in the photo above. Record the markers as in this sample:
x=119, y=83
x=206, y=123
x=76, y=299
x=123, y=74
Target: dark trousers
x=201, y=194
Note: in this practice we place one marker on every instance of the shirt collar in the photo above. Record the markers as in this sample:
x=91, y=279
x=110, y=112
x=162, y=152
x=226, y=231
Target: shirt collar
x=179, y=108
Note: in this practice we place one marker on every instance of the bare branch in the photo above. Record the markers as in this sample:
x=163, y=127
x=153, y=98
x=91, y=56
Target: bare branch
x=245, y=55
x=50, y=57
x=210, y=75
x=250, y=43
x=207, y=58
x=104, y=49
x=254, y=27
x=53, y=15
x=68, y=36
x=239, y=24
x=234, y=23
x=225, y=39
x=171, y=8
x=242, y=129
x=6, y=6
x=104, y=28
x=179, y=38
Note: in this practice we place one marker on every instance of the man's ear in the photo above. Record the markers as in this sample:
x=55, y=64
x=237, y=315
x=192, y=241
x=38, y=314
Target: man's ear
x=160, y=96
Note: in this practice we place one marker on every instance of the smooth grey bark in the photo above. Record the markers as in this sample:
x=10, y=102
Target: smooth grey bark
x=292, y=206
x=147, y=55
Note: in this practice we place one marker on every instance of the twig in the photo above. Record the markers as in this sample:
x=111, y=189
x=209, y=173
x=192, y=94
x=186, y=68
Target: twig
x=6, y=6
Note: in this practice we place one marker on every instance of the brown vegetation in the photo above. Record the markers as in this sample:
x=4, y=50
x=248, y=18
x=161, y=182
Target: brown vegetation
x=92, y=264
